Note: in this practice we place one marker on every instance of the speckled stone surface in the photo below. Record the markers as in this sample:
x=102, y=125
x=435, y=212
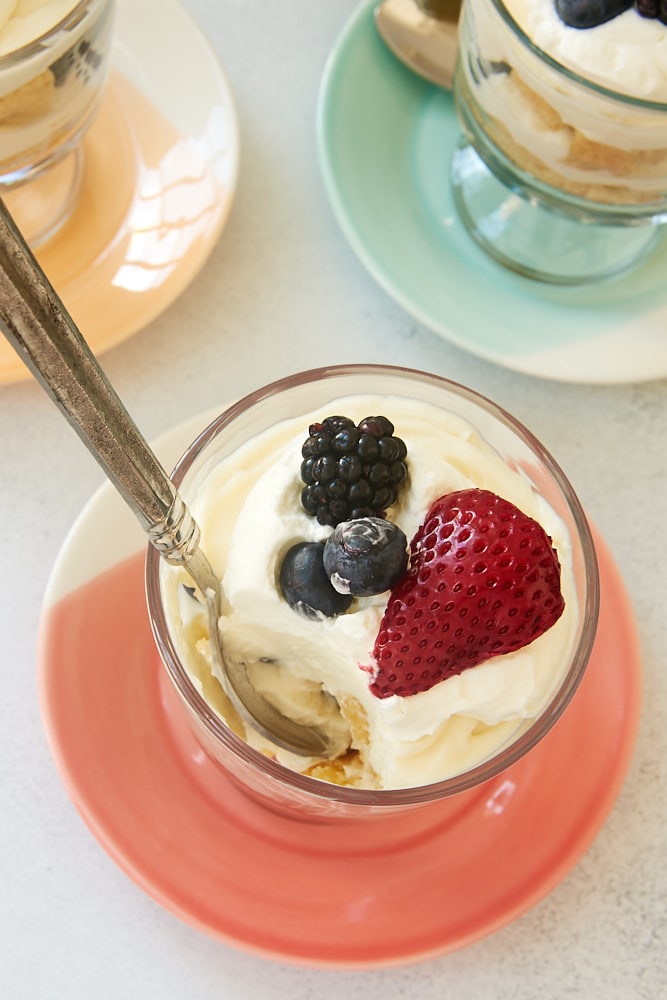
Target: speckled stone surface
x=282, y=291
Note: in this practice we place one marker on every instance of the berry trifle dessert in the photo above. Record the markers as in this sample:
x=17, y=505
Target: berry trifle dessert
x=53, y=62
x=573, y=93
x=389, y=575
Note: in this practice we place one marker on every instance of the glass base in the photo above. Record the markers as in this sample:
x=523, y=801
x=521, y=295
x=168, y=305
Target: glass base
x=42, y=205
x=531, y=239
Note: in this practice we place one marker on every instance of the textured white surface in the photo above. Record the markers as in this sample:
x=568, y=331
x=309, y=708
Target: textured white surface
x=282, y=292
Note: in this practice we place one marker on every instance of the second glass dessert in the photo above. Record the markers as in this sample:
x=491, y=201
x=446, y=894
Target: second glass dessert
x=562, y=173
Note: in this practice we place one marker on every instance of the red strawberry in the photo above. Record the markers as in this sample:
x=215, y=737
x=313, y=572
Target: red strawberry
x=484, y=579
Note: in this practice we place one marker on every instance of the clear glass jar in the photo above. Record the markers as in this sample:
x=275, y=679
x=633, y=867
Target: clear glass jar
x=558, y=177
x=50, y=89
x=294, y=396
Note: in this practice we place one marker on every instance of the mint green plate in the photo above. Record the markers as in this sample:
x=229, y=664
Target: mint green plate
x=385, y=139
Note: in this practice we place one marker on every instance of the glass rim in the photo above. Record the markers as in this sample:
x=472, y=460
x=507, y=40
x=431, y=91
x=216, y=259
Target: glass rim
x=642, y=103
x=389, y=797
x=37, y=46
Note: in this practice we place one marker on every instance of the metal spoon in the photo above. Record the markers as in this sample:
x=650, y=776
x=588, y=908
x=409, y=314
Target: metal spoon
x=38, y=326
x=423, y=34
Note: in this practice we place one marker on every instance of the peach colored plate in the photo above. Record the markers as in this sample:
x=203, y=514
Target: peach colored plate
x=344, y=895
x=159, y=177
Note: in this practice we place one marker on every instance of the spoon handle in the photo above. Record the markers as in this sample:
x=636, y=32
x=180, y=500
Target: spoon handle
x=36, y=323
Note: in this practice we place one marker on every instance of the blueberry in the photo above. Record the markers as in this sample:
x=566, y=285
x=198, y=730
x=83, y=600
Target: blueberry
x=589, y=13
x=365, y=556
x=306, y=586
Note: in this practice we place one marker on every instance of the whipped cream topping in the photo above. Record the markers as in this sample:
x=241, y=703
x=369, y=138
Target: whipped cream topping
x=23, y=21
x=249, y=513
x=627, y=54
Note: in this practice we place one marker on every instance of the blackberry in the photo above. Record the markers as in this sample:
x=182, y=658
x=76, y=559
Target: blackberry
x=652, y=8
x=351, y=471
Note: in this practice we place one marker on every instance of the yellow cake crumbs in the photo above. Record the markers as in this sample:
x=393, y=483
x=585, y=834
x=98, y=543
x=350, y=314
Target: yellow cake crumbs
x=608, y=166
x=28, y=102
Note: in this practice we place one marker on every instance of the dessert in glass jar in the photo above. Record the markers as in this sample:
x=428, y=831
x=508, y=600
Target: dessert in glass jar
x=402, y=563
x=562, y=173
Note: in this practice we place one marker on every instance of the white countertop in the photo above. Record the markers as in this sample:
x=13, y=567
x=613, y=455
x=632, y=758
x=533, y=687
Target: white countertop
x=281, y=292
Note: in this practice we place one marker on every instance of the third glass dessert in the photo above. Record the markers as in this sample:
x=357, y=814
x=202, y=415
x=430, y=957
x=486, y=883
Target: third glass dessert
x=565, y=102
x=53, y=67
x=399, y=560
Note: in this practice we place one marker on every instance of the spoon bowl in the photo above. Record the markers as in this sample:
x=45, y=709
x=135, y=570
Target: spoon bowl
x=423, y=34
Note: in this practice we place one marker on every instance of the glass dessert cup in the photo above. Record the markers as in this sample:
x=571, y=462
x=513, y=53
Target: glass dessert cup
x=290, y=791
x=50, y=90
x=555, y=177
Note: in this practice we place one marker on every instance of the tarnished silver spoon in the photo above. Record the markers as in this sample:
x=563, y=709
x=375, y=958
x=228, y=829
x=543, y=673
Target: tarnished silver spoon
x=423, y=34
x=38, y=326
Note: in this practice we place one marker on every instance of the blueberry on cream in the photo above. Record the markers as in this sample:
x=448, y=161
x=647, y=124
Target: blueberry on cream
x=366, y=556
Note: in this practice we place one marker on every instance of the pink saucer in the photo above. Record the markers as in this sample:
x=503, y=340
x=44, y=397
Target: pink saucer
x=156, y=189
x=351, y=895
